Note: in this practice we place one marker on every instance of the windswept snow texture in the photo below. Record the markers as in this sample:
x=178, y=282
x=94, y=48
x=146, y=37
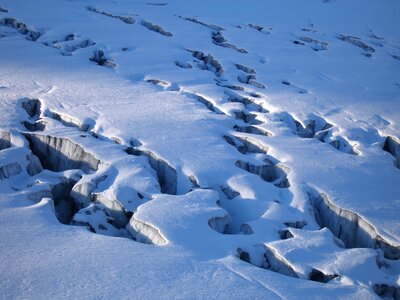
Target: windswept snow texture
x=200, y=149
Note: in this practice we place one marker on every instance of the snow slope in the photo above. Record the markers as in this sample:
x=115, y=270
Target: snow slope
x=199, y=149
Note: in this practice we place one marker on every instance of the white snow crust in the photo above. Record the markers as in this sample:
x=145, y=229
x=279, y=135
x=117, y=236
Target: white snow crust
x=200, y=149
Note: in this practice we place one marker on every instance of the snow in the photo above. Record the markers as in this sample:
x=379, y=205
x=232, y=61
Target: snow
x=195, y=149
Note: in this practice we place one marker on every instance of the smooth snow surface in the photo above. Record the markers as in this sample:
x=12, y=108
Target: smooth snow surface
x=199, y=149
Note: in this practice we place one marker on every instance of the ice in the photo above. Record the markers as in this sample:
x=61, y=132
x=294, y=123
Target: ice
x=192, y=150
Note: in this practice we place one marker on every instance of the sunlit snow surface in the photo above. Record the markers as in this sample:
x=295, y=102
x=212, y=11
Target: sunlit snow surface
x=199, y=149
